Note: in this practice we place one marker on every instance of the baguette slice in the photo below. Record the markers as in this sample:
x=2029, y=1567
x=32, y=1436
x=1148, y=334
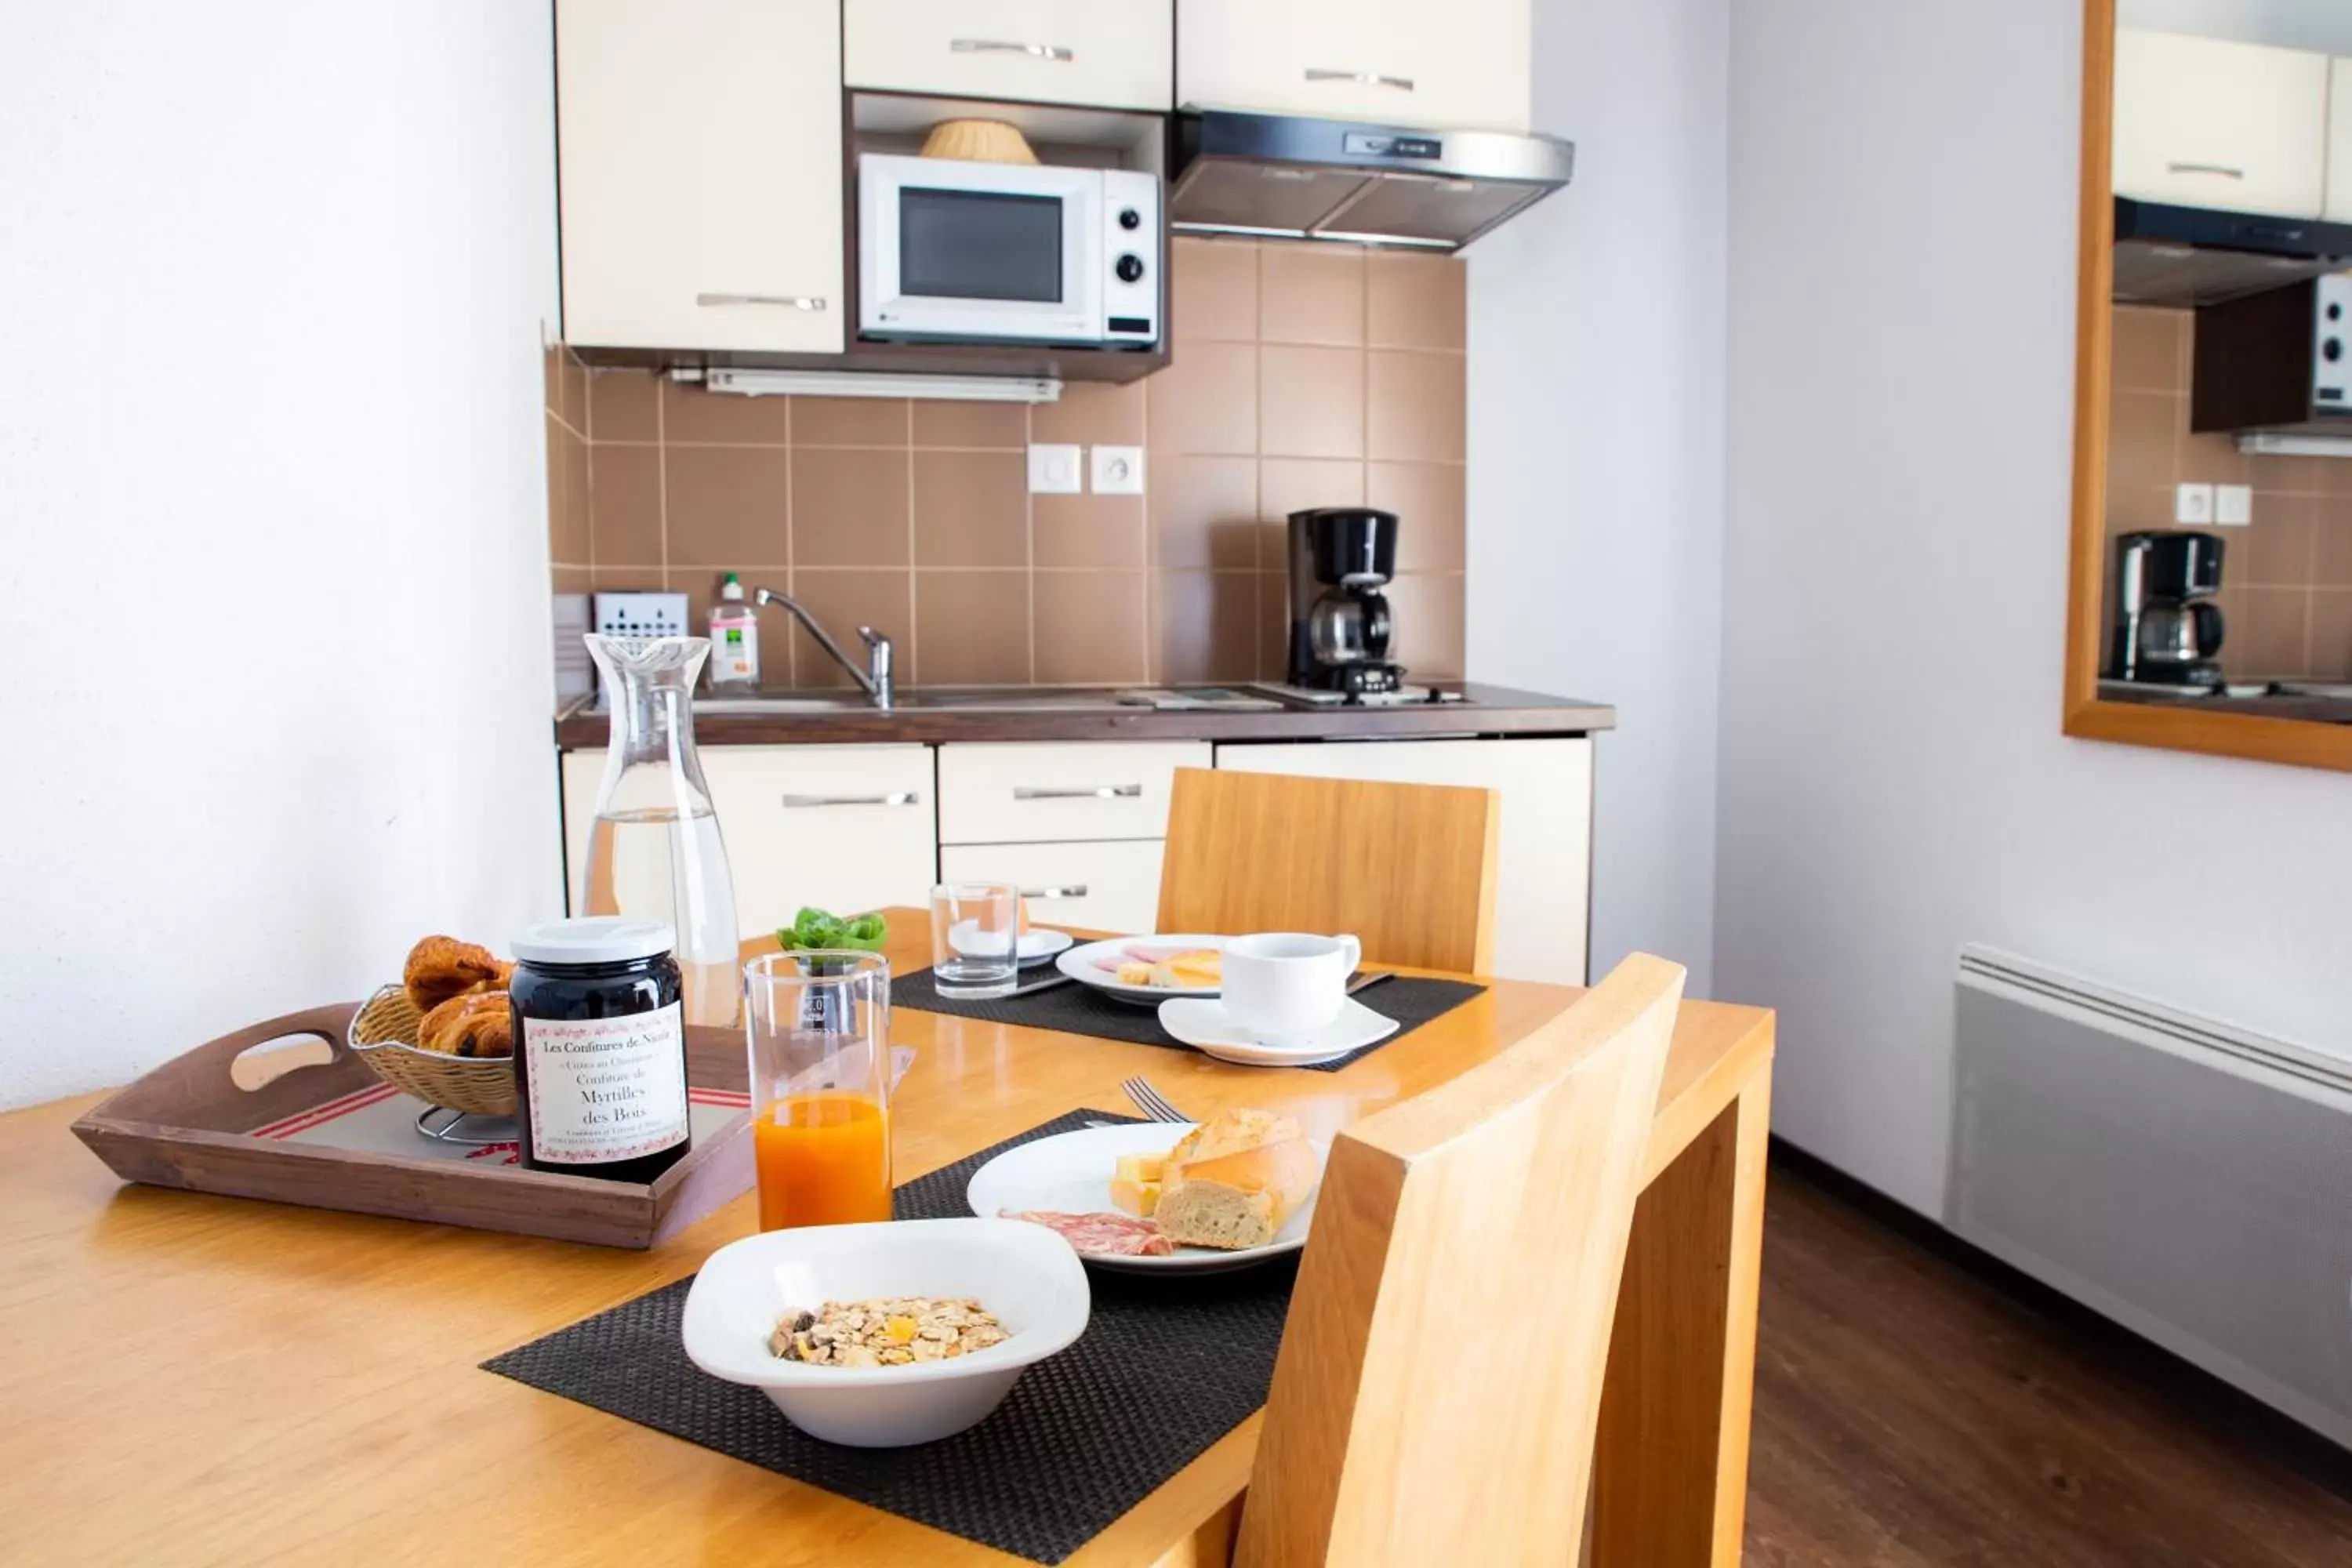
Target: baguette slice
x=1235, y=1181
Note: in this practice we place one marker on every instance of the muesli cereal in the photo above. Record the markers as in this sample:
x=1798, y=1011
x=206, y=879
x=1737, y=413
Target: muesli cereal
x=886, y=1331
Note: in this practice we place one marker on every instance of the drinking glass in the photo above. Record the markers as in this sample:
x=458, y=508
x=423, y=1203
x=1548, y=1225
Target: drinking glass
x=819, y=1030
x=975, y=938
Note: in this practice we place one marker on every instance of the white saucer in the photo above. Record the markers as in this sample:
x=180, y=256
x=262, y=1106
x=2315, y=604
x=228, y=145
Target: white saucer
x=1202, y=1023
x=1037, y=944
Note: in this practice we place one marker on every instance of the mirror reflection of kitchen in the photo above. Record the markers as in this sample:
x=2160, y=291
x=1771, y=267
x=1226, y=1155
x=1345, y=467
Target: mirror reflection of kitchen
x=2229, y=493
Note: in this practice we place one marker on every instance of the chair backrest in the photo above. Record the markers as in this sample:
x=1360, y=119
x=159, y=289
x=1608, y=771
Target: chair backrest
x=1409, y=868
x=1438, y=1387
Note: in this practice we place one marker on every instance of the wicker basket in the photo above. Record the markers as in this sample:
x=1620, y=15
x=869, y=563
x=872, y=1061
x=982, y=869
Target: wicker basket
x=382, y=1035
x=978, y=142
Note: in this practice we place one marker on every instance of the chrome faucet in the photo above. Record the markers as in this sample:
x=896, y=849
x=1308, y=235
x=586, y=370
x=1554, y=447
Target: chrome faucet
x=876, y=680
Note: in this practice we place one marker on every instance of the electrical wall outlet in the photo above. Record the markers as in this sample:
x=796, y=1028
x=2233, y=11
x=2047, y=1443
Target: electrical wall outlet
x=1054, y=471
x=2192, y=504
x=1118, y=470
x=2233, y=505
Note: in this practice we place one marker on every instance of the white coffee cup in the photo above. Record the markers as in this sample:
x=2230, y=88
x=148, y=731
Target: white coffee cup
x=1287, y=982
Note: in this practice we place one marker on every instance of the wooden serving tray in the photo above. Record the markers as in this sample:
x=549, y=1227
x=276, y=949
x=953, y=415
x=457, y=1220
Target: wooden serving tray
x=325, y=1135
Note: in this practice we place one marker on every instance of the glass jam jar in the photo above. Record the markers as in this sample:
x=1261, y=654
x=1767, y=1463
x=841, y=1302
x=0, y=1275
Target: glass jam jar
x=600, y=1048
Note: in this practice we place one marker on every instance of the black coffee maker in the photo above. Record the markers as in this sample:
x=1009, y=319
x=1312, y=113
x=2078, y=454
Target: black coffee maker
x=1340, y=559
x=2168, y=630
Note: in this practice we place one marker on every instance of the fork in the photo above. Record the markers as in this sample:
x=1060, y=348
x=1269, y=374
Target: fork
x=1150, y=1101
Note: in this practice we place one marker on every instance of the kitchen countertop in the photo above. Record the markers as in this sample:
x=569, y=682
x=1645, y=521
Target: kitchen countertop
x=2312, y=704
x=1485, y=711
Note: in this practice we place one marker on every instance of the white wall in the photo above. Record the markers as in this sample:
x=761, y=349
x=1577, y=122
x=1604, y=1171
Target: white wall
x=1596, y=446
x=1894, y=781
x=271, y=474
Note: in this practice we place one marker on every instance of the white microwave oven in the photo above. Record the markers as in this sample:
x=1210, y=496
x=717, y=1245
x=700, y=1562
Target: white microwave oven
x=952, y=251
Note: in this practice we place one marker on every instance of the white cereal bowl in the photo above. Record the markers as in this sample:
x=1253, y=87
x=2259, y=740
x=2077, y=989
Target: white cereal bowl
x=1023, y=1273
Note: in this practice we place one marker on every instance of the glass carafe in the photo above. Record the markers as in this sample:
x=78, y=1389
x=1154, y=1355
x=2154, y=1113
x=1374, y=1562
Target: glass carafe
x=653, y=849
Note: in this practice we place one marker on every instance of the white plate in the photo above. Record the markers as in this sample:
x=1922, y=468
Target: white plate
x=1203, y=1024
x=1037, y=944
x=1070, y=1173
x=1079, y=964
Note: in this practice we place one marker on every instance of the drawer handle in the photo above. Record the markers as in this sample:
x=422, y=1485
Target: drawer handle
x=2223, y=170
x=1078, y=891
x=1362, y=79
x=1053, y=52
x=793, y=301
x=896, y=798
x=1099, y=792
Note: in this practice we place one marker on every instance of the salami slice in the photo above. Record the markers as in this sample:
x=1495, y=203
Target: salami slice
x=1117, y=1234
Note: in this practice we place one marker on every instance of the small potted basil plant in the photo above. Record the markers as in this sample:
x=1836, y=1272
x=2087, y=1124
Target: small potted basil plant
x=816, y=932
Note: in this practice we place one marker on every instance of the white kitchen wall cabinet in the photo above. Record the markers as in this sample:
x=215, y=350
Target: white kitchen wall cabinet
x=2339, y=141
x=1462, y=64
x=846, y=829
x=2211, y=122
x=1111, y=886
x=700, y=174
x=1543, y=893
x=1114, y=55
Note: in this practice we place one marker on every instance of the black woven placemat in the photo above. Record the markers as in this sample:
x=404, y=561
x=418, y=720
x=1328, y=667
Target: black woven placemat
x=1169, y=1363
x=1077, y=1009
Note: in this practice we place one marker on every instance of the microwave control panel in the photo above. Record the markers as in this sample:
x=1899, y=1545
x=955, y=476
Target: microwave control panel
x=1131, y=287
x=2331, y=358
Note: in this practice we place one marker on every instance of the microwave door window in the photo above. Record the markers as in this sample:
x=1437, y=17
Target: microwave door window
x=979, y=245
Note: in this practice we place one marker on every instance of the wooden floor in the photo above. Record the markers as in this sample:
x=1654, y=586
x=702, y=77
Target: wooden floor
x=1907, y=1412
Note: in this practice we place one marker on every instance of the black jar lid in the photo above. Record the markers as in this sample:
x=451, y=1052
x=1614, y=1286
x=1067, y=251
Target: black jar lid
x=594, y=939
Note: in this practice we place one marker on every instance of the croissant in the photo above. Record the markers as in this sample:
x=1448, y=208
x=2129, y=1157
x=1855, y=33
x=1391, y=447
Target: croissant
x=441, y=967
x=480, y=1024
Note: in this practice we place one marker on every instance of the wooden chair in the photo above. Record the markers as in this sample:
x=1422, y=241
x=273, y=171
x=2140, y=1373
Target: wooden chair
x=1438, y=1388
x=1408, y=868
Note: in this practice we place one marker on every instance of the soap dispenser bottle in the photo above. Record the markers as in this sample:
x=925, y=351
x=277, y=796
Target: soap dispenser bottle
x=734, y=641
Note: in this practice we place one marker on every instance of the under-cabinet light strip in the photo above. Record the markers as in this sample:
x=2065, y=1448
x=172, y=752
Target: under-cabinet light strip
x=861, y=384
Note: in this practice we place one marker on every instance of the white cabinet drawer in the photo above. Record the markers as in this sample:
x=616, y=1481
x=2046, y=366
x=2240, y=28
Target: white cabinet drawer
x=846, y=829
x=1462, y=66
x=1544, y=861
x=583, y=773
x=1043, y=792
x=1115, y=55
x=2209, y=123
x=1112, y=887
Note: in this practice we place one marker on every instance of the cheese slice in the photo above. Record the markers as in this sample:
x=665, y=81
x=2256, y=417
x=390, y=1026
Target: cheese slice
x=1135, y=1183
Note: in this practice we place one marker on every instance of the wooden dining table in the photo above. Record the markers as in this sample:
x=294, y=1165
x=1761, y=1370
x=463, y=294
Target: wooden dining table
x=186, y=1378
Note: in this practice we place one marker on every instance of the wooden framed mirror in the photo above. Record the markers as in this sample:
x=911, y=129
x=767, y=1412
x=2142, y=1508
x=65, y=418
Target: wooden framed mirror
x=2210, y=607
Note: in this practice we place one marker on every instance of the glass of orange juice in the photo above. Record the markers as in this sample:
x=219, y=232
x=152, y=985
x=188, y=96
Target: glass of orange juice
x=819, y=1024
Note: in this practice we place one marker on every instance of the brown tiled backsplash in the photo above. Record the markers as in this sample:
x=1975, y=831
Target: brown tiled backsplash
x=1303, y=375
x=2286, y=597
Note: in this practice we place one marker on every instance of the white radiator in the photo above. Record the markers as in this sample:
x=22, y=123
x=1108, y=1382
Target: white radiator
x=2191, y=1180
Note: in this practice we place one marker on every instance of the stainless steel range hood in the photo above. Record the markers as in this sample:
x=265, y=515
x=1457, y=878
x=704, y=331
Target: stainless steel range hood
x=2184, y=257
x=1370, y=184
